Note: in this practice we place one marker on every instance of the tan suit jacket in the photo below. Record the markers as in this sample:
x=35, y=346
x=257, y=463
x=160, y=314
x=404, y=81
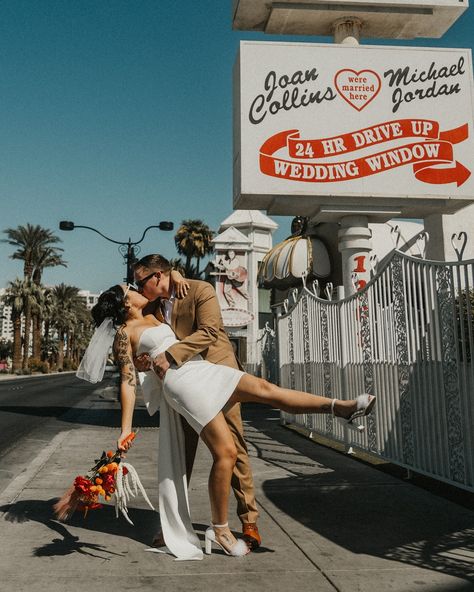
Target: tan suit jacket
x=197, y=321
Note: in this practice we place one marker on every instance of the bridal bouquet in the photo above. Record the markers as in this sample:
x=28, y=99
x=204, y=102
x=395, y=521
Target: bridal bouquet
x=109, y=477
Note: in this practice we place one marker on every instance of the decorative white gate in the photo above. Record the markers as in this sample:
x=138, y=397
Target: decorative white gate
x=408, y=337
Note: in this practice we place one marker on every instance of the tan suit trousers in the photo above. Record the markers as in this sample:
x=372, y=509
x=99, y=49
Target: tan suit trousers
x=196, y=319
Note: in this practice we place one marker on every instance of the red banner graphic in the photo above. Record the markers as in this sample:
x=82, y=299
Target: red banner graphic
x=432, y=149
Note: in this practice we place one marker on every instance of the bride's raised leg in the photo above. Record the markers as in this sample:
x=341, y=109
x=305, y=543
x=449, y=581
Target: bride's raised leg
x=257, y=390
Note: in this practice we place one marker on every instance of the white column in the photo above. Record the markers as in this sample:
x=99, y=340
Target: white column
x=355, y=247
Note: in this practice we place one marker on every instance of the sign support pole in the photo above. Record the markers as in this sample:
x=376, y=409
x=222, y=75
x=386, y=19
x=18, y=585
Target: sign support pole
x=354, y=234
x=347, y=31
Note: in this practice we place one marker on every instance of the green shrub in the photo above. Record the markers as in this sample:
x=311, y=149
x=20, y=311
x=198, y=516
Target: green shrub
x=23, y=372
x=34, y=364
x=69, y=364
x=37, y=365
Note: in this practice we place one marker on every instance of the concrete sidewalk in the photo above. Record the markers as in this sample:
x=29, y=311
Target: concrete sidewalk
x=328, y=523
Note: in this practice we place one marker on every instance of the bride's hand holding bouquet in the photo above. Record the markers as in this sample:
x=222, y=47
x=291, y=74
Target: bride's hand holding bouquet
x=124, y=442
x=110, y=477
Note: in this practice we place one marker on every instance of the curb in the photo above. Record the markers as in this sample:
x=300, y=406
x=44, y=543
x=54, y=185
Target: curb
x=14, y=489
x=25, y=376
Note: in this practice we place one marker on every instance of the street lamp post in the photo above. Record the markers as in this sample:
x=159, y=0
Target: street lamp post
x=129, y=249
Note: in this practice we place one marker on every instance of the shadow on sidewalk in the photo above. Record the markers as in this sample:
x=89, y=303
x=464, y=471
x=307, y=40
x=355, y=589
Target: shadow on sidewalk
x=146, y=524
x=357, y=507
x=103, y=520
x=106, y=417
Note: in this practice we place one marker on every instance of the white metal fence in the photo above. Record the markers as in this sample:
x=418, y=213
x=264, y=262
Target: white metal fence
x=407, y=337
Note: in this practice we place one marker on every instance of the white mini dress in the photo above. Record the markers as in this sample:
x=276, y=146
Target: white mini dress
x=197, y=390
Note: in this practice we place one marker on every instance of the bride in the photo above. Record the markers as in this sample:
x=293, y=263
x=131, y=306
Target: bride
x=198, y=390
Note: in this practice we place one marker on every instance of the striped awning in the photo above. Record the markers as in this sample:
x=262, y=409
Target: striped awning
x=294, y=258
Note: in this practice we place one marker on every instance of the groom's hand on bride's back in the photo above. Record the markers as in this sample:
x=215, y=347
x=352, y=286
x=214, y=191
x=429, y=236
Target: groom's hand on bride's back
x=161, y=364
x=142, y=362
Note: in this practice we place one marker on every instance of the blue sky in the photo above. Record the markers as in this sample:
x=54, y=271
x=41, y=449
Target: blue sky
x=118, y=114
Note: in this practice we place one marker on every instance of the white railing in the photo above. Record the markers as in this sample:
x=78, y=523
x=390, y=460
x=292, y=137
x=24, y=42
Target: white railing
x=407, y=337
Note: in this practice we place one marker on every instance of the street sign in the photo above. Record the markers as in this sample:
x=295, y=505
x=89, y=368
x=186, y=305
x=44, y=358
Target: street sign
x=329, y=126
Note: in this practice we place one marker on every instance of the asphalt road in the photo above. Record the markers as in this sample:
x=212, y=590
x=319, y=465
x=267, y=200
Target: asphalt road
x=33, y=410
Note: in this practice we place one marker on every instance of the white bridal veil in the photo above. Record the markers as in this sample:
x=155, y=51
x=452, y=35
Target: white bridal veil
x=93, y=363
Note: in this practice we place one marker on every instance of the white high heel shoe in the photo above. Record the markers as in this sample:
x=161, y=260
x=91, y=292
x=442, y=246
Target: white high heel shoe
x=365, y=404
x=237, y=549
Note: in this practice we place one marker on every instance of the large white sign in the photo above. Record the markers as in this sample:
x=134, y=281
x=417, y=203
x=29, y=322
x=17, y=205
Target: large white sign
x=345, y=124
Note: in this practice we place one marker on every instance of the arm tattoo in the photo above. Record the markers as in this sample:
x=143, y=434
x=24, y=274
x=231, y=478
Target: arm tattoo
x=122, y=353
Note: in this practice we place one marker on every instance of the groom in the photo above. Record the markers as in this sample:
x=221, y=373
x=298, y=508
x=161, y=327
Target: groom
x=197, y=322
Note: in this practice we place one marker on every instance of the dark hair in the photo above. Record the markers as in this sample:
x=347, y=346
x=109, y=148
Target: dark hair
x=154, y=263
x=111, y=303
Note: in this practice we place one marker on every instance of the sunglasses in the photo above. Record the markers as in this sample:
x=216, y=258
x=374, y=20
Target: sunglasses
x=140, y=284
x=128, y=288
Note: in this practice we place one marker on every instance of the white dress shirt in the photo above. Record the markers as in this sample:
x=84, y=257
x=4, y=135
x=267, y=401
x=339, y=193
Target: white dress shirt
x=167, y=306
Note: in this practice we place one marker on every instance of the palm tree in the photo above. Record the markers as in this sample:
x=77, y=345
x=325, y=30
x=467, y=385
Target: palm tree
x=193, y=240
x=71, y=319
x=81, y=341
x=178, y=264
x=46, y=257
x=14, y=298
x=30, y=242
x=65, y=298
x=32, y=299
x=79, y=333
x=49, y=351
x=34, y=246
x=47, y=313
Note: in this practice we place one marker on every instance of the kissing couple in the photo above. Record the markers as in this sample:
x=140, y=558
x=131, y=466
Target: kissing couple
x=190, y=372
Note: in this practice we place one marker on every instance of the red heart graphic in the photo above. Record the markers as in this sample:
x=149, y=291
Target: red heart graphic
x=357, y=88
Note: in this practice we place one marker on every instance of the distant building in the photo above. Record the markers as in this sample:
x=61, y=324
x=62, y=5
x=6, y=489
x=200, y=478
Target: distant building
x=90, y=298
x=6, y=323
